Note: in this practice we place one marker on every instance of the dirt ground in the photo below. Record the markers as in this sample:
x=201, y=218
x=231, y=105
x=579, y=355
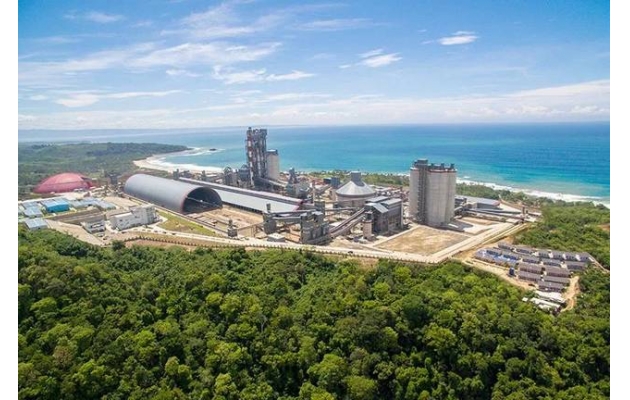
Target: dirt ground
x=240, y=218
x=76, y=231
x=572, y=293
x=342, y=242
x=501, y=272
x=423, y=240
x=120, y=202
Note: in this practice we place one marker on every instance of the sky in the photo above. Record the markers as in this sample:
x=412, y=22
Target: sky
x=189, y=64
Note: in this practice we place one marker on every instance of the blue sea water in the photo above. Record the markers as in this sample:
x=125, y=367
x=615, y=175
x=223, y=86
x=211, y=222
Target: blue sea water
x=568, y=160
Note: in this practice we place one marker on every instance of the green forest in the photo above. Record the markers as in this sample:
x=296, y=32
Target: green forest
x=152, y=323
x=38, y=161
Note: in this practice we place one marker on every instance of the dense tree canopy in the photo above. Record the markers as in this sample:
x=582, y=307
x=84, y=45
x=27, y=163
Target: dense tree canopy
x=149, y=323
x=38, y=161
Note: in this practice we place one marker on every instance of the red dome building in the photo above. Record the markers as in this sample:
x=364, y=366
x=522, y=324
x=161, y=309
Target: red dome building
x=66, y=182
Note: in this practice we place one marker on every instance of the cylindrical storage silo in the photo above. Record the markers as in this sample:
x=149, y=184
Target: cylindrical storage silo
x=273, y=165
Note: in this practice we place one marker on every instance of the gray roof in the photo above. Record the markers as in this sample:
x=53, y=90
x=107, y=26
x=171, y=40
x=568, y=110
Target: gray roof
x=557, y=271
x=354, y=189
x=558, y=279
x=36, y=223
x=392, y=202
x=482, y=200
x=377, y=199
x=550, y=285
x=530, y=268
x=576, y=265
x=33, y=212
x=251, y=199
x=378, y=207
x=167, y=193
x=528, y=275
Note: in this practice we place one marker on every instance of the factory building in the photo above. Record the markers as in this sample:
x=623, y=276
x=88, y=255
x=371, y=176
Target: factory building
x=355, y=192
x=432, y=193
x=230, y=177
x=250, y=200
x=244, y=175
x=55, y=205
x=273, y=165
x=137, y=216
x=36, y=224
x=178, y=196
x=94, y=226
x=386, y=215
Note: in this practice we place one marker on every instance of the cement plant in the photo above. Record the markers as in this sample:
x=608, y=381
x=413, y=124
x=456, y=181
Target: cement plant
x=261, y=205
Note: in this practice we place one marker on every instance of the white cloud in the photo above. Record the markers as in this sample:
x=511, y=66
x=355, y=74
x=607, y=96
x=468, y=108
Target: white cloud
x=96, y=16
x=223, y=21
x=345, y=66
x=380, y=61
x=57, y=39
x=83, y=99
x=293, y=96
x=229, y=76
x=141, y=56
x=563, y=103
x=592, y=88
x=38, y=97
x=181, y=72
x=459, y=37
x=103, y=18
x=200, y=54
x=292, y=76
x=371, y=53
x=340, y=24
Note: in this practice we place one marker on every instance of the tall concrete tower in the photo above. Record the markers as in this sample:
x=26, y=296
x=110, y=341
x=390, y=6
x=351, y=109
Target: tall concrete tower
x=256, y=146
x=432, y=192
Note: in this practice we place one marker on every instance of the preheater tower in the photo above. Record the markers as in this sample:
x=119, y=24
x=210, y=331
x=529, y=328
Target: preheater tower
x=432, y=192
x=256, y=146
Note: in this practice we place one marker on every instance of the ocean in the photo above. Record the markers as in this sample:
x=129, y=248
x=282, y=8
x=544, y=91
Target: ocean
x=569, y=161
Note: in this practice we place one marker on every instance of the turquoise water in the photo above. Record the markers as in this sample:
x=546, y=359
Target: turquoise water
x=570, y=161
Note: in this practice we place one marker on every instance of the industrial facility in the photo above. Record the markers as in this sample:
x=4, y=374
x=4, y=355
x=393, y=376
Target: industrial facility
x=141, y=215
x=181, y=197
x=432, y=193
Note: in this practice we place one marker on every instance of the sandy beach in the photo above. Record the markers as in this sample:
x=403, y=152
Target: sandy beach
x=157, y=163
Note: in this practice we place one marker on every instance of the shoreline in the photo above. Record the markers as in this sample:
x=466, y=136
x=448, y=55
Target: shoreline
x=156, y=162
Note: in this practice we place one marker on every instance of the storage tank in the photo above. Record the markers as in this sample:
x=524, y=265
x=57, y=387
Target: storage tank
x=355, y=192
x=273, y=165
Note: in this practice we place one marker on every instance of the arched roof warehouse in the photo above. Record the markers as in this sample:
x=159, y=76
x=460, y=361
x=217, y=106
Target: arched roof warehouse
x=175, y=195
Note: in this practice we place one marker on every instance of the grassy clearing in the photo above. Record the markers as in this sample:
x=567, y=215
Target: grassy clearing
x=177, y=224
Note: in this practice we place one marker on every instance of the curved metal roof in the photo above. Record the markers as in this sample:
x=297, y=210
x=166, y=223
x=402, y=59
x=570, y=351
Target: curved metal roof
x=167, y=193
